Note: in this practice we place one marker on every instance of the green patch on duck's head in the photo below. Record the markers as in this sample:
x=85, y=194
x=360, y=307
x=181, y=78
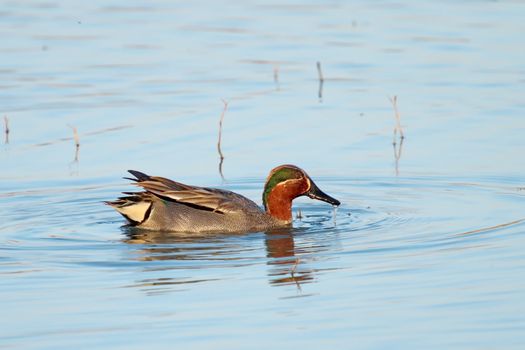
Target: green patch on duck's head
x=279, y=175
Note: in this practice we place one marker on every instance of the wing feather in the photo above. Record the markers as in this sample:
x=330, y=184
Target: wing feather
x=210, y=199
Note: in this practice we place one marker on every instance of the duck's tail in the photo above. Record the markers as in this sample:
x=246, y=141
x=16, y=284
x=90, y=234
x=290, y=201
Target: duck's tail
x=136, y=207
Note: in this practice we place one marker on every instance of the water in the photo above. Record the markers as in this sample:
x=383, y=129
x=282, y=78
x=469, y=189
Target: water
x=425, y=251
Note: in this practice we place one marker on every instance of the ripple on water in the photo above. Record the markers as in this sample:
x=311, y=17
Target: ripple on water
x=394, y=233
x=409, y=214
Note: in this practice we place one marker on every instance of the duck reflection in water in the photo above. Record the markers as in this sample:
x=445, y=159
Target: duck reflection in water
x=216, y=251
x=286, y=266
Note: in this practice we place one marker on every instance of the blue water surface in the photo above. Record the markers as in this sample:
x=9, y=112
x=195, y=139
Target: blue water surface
x=426, y=250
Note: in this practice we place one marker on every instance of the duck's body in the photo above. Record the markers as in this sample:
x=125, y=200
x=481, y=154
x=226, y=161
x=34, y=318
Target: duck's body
x=166, y=205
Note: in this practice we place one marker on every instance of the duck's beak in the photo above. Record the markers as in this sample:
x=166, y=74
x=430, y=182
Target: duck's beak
x=316, y=193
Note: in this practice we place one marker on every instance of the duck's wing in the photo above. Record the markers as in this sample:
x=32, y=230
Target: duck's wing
x=202, y=198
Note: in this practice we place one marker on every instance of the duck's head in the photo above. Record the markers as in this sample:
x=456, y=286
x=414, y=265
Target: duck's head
x=283, y=185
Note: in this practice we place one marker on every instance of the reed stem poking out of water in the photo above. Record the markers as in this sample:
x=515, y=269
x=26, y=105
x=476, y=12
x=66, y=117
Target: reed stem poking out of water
x=397, y=150
x=398, y=120
x=321, y=81
x=276, y=76
x=294, y=267
x=397, y=154
x=77, y=141
x=221, y=156
x=320, y=72
x=6, y=125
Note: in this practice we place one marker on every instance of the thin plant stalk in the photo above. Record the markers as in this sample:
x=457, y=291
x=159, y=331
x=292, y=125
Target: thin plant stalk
x=6, y=125
x=276, y=76
x=76, y=138
x=398, y=127
x=221, y=155
x=321, y=81
x=397, y=150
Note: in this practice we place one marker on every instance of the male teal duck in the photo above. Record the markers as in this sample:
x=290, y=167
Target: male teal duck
x=166, y=205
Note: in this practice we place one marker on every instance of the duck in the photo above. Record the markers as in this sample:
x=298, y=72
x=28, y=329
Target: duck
x=166, y=205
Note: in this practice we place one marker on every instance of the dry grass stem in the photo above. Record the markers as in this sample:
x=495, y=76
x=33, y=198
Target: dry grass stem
x=294, y=267
x=6, y=125
x=77, y=141
x=397, y=150
x=398, y=127
x=292, y=273
x=319, y=71
x=75, y=136
x=321, y=81
x=397, y=154
x=276, y=76
x=220, y=137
